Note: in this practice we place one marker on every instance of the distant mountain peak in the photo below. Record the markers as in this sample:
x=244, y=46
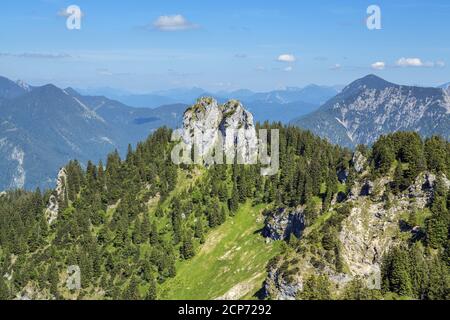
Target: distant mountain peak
x=49, y=91
x=371, y=106
x=23, y=85
x=445, y=86
x=10, y=89
x=71, y=91
x=370, y=81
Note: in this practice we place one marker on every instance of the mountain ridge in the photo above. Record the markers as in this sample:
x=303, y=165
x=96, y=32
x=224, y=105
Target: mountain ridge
x=44, y=127
x=371, y=106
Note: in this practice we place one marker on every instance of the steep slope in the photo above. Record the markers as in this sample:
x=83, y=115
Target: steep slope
x=445, y=86
x=349, y=244
x=10, y=89
x=371, y=106
x=230, y=265
x=44, y=128
x=206, y=122
x=322, y=227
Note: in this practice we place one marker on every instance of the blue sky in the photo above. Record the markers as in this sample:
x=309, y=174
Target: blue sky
x=142, y=45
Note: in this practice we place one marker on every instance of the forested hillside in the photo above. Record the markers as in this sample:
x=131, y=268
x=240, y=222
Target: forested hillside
x=134, y=226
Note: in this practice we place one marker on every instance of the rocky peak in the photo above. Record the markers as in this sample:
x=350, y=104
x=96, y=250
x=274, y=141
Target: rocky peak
x=25, y=86
x=359, y=161
x=371, y=107
x=209, y=119
x=57, y=197
x=370, y=81
x=282, y=223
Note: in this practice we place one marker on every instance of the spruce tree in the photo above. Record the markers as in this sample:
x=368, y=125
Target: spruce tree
x=4, y=290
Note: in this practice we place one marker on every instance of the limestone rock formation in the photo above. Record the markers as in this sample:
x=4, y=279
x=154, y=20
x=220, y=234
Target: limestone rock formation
x=282, y=223
x=207, y=125
x=359, y=161
x=57, y=197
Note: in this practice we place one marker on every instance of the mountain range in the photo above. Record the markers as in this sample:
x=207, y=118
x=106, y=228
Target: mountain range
x=331, y=224
x=278, y=105
x=371, y=107
x=41, y=128
x=445, y=86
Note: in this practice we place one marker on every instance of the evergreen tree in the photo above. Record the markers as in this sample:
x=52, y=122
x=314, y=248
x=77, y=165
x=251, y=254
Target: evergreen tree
x=131, y=292
x=198, y=232
x=187, y=247
x=151, y=293
x=4, y=290
x=357, y=290
x=316, y=288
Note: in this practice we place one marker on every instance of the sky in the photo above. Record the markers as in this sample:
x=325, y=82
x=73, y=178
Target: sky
x=148, y=45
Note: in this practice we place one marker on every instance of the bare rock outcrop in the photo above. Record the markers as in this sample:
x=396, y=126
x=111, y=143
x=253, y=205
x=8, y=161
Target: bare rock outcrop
x=359, y=161
x=282, y=223
x=57, y=197
x=207, y=125
x=278, y=288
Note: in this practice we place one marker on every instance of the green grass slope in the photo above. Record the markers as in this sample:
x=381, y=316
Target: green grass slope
x=230, y=265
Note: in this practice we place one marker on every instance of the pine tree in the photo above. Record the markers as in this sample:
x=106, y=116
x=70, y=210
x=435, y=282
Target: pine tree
x=131, y=292
x=438, y=224
x=316, y=288
x=439, y=281
x=154, y=235
x=151, y=293
x=234, y=201
x=145, y=228
x=397, y=271
x=4, y=290
x=137, y=232
x=356, y=290
x=159, y=212
x=187, y=247
x=53, y=279
x=198, y=231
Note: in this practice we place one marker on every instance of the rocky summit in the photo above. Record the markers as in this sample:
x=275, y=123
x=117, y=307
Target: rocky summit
x=207, y=124
x=371, y=107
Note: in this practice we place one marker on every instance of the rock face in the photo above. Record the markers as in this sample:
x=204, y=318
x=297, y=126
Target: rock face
x=359, y=161
x=58, y=196
x=278, y=288
x=372, y=229
x=423, y=188
x=208, y=124
x=46, y=127
x=282, y=223
x=371, y=107
x=368, y=232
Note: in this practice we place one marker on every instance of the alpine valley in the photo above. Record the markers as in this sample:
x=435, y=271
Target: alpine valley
x=42, y=128
x=370, y=222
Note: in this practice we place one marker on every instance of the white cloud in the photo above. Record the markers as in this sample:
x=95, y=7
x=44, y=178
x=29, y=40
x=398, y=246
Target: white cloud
x=36, y=55
x=104, y=72
x=337, y=66
x=288, y=69
x=379, y=65
x=409, y=62
x=413, y=62
x=173, y=23
x=287, y=58
x=416, y=62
